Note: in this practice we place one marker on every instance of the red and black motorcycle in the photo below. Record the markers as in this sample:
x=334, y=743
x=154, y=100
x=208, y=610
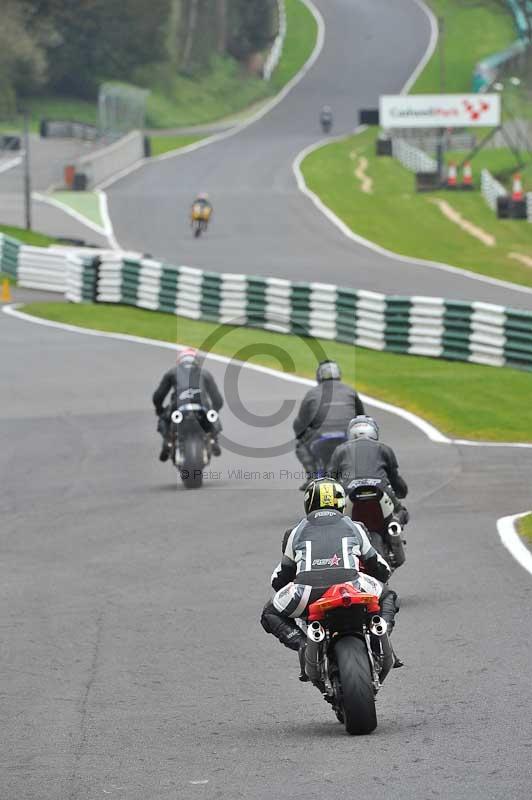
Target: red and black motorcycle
x=348, y=654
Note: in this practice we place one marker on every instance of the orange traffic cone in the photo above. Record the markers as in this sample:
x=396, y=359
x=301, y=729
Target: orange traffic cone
x=467, y=176
x=451, y=175
x=517, y=187
x=6, y=291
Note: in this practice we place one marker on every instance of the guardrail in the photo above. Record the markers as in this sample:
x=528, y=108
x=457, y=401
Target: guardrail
x=412, y=157
x=99, y=165
x=480, y=333
x=491, y=189
x=277, y=49
x=529, y=206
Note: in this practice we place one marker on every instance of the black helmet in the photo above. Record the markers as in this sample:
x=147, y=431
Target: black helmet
x=328, y=371
x=324, y=493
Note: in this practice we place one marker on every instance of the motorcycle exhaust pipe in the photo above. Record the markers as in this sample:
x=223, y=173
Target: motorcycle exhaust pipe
x=212, y=416
x=379, y=628
x=177, y=416
x=396, y=543
x=315, y=636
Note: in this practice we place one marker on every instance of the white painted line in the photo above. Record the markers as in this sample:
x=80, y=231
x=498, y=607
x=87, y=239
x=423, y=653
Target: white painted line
x=219, y=137
x=433, y=22
x=513, y=542
x=13, y=162
x=88, y=223
x=108, y=225
x=425, y=427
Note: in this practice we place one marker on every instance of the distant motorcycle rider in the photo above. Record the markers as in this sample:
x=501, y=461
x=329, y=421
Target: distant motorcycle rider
x=327, y=407
x=202, y=201
x=326, y=118
x=364, y=456
x=323, y=549
x=189, y=382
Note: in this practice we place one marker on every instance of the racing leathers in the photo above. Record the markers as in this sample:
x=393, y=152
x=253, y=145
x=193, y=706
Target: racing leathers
x=326, y=408
x=368, y=458
x=195, y=385
x=324, y=549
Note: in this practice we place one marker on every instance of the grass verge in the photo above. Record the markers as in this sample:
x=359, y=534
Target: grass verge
x=164, y=144
x=463, y=45
x=85, y=203
x=462, y=400
x=409, y=223
x=28, y=237
x=524, y=528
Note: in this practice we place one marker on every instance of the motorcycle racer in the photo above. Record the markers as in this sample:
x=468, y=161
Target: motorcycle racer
x=323, y=549
x=364, y=456
x=329, y=406
x=188, y=382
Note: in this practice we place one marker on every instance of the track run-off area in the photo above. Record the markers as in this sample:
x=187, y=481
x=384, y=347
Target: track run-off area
x=133, y=659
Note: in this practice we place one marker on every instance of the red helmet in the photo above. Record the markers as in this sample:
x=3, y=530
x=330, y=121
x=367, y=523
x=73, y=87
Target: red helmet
x=187, y=357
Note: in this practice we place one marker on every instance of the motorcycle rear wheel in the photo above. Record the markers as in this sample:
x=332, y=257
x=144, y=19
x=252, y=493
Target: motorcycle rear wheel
x=191, y=472
x=358, y=699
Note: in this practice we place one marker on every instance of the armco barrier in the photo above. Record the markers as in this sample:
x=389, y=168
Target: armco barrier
x=491, y=189
x=481, y=333
x=412, y=157
x=277, y=49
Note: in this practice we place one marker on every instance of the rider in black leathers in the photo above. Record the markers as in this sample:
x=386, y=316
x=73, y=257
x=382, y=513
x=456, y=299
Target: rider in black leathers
x=324, y=532
x=189, y=382
x=363, y=456
x=327, y=407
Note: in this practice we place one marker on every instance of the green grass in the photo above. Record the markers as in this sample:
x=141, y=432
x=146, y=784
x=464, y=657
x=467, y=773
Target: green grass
x=524, y=527
x=300, y=40
x=28, y=237
x=470, y=35
x=462, y=400
x=85, y=203
x=398, y=218
x=164, y=144
x=54, y=107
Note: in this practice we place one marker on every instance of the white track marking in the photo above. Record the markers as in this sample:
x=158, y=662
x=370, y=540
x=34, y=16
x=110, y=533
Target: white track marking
x=343, y=228
x=13, y=162
x=512, y=541
x=106, y=218
x=218, y=137
x=88, y=223
x=425, y=427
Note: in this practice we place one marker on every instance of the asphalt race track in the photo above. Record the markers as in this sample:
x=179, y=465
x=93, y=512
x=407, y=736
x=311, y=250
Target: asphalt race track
x=263, y=224
x=133, y=663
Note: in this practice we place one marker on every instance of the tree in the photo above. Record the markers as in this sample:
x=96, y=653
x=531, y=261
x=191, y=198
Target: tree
x=22, y=60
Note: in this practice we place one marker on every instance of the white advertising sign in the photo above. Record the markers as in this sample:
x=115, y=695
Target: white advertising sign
x=440, y=110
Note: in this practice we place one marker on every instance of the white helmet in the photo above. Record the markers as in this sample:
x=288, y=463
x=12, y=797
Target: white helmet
x=363, y=427
x=203, y=196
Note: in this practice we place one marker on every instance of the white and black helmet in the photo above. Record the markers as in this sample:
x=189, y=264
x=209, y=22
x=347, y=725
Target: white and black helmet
x=363, y=427
x=328, y=371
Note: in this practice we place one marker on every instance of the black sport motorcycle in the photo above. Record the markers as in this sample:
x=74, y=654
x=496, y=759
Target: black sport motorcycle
x=348, y=654
x=374, y=507
x=190, y=442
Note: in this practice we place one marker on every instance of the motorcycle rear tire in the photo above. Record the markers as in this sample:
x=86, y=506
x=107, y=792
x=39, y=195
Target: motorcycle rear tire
x=377, y=541
x=358, y=698
x=197, y=231
x=192, y=470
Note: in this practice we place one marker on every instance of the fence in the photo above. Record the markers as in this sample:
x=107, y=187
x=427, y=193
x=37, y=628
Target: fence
x=491, y=189
x=529, y=206
x=412, y=157
x=277, y=49
x=481, y=333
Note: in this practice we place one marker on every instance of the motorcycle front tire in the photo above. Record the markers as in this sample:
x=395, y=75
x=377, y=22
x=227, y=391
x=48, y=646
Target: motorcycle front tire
x=358, y=698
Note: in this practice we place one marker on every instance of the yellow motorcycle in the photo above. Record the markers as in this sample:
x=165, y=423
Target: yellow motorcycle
x=200, y=216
